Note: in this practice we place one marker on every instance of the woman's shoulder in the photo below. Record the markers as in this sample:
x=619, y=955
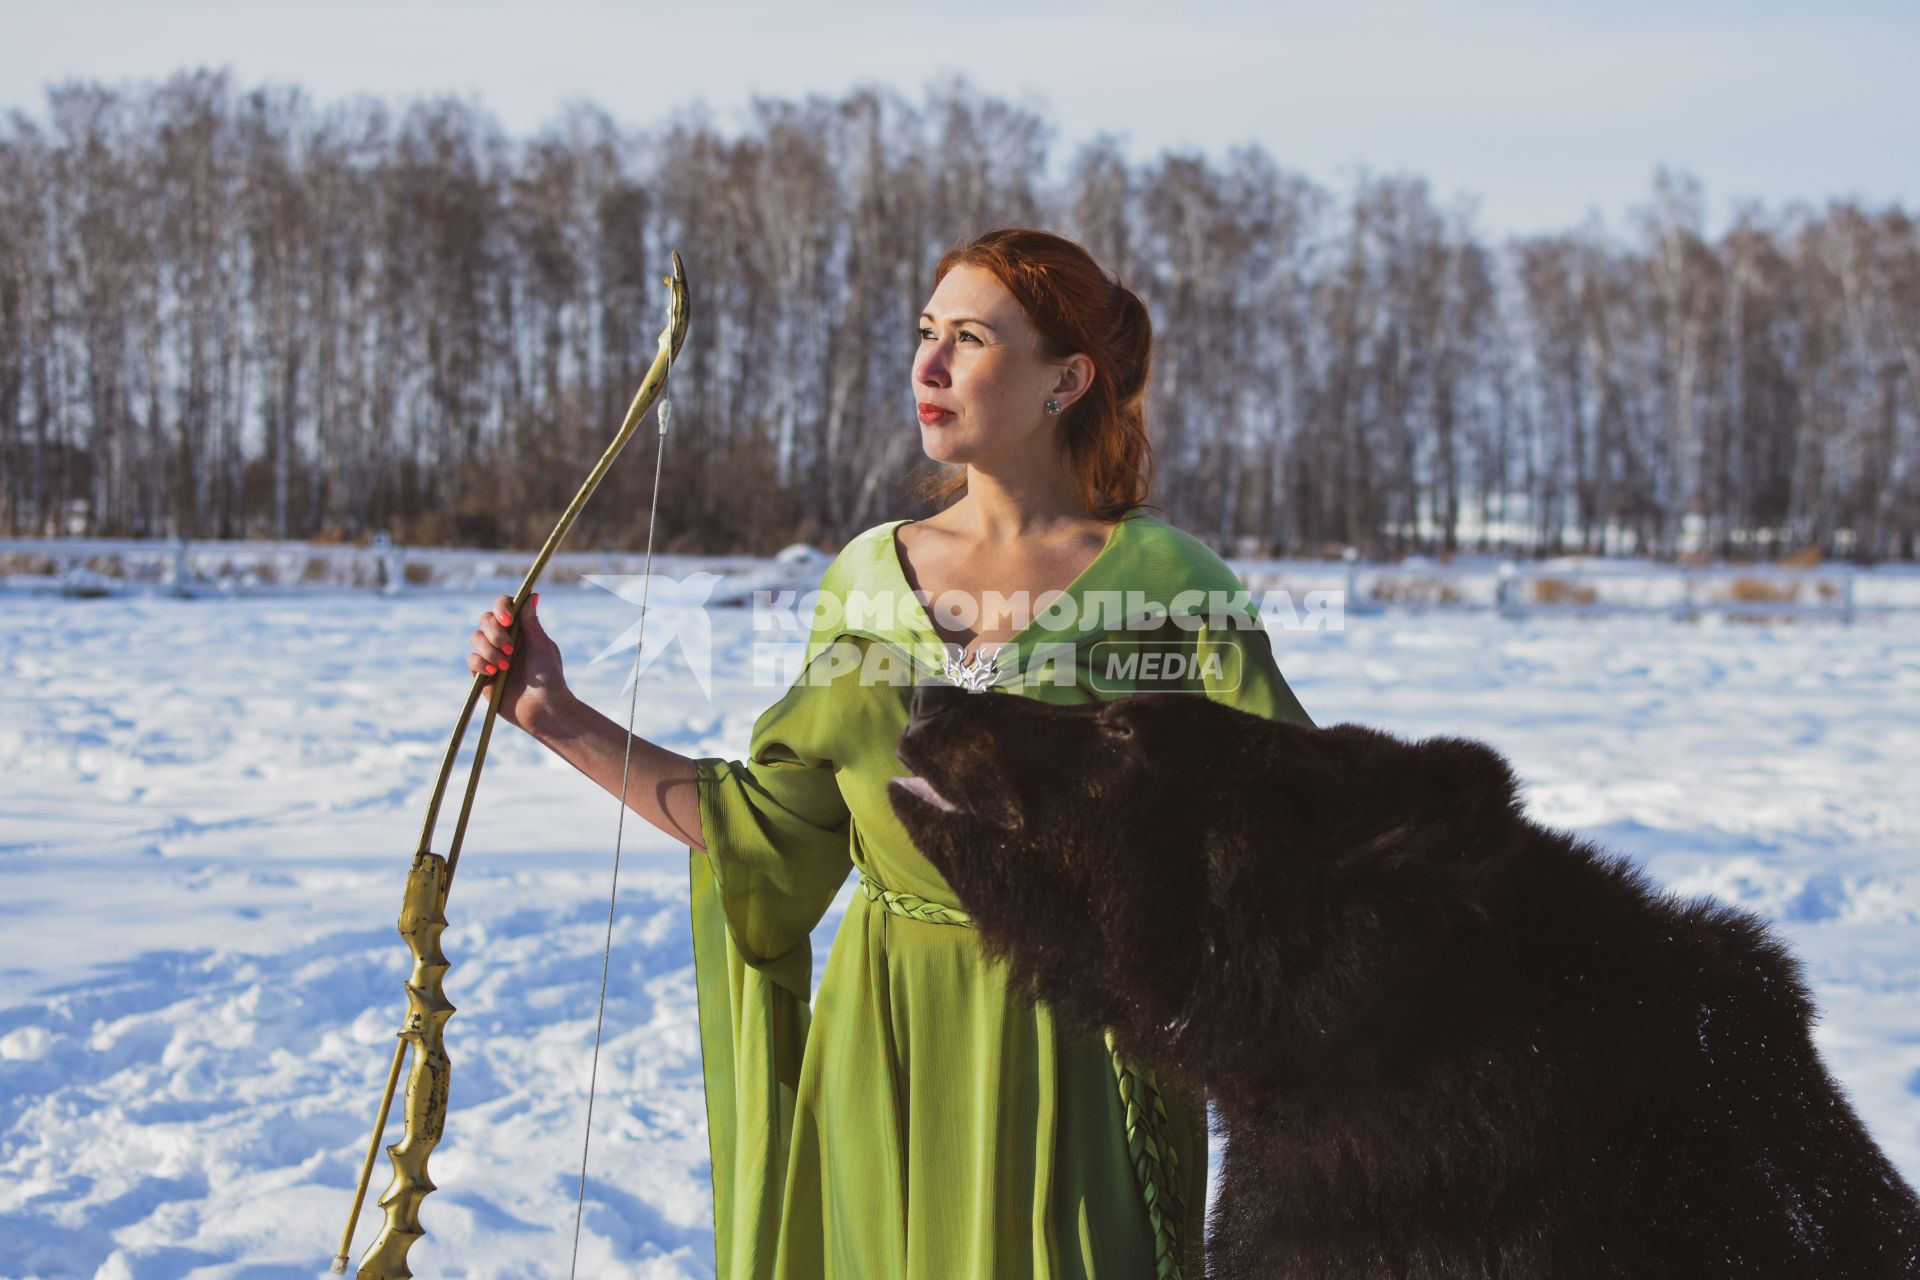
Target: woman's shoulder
x=864, y=553
x=1169, y=552
x=879, y=533
x=1180, y=557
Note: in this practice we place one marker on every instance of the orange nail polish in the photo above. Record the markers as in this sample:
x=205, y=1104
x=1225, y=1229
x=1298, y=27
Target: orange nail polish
x=507, y=647
x=503, y=664
x=490, y=670
x=505, y=621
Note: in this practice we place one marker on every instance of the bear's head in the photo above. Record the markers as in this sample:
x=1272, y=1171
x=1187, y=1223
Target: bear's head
x=1068, y=832
x=1133, y=858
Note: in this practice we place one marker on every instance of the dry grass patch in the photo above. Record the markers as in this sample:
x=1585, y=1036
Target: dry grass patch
x=29, y=562
x=1560, y=591
x=1413, y=590
x=1761, y=591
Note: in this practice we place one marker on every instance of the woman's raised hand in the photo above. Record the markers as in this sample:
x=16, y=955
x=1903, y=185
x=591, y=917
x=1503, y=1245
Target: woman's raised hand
x=532, y=688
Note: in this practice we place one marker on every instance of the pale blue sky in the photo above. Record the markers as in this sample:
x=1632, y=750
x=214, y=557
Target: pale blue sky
x=1543, y=111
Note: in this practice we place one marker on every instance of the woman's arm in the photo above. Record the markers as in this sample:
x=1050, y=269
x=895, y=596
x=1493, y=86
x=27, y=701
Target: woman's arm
x=661, y=784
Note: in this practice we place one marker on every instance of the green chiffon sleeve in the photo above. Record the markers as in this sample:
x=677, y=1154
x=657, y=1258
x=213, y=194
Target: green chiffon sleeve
x=777, y=835
x=1236, y=666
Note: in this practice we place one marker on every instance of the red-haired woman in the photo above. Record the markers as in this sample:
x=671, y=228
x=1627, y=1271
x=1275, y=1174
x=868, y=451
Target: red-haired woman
x=920, y=1120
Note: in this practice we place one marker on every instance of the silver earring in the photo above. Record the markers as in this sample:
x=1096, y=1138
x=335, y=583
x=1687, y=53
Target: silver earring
x=1053, y=406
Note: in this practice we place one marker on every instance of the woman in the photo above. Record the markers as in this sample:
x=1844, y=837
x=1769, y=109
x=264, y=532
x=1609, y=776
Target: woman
x=921, y=1120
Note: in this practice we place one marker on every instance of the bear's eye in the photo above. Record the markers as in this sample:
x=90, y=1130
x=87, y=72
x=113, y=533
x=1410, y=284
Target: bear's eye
x=1120, y=729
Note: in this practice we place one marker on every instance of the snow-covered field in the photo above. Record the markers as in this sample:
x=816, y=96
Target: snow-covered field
x=209, y=807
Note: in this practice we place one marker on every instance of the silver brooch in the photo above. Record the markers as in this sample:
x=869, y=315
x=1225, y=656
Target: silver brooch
x=976, y=672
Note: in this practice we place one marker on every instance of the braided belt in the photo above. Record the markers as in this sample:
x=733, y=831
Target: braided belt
x=1155, y=1163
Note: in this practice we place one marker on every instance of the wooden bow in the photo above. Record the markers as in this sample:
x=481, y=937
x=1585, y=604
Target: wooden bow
x=423, y=909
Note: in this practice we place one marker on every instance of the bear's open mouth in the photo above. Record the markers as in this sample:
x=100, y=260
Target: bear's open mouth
x=922, y=788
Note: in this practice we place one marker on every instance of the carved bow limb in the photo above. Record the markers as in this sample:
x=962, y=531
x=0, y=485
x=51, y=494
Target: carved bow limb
x=423, y=910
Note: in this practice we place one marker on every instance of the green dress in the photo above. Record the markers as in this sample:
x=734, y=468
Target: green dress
x=923, y=1121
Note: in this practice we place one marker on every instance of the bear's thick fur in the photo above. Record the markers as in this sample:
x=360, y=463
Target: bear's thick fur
x=1442, y=1040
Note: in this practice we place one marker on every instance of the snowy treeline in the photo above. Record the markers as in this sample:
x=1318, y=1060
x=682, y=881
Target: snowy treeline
x=232, y=312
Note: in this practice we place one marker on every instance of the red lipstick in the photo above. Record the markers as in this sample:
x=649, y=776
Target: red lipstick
x=932, y=413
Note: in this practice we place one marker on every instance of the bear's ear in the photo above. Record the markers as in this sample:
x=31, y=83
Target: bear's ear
x=1472, y=776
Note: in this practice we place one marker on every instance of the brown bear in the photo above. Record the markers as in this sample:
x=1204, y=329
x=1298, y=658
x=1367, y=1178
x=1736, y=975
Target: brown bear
x=1441, y=1039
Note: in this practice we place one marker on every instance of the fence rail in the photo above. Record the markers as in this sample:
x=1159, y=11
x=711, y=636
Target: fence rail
x=118, y=566
x=110, y=566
